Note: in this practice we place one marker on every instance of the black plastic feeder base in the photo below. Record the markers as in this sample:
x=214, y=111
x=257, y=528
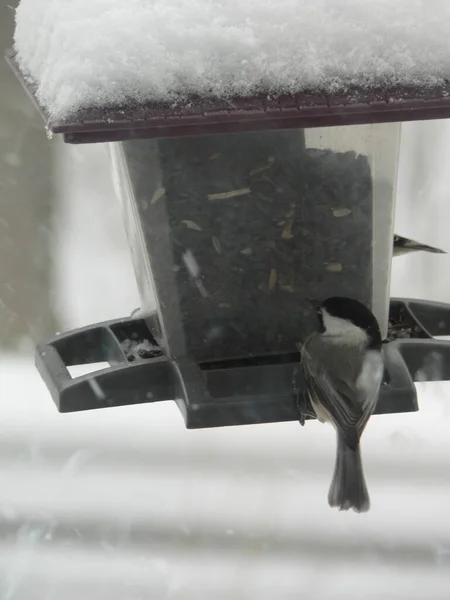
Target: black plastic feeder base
x=231, y=392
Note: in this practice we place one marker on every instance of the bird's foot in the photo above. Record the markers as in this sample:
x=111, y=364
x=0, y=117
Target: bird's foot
x=304, y=408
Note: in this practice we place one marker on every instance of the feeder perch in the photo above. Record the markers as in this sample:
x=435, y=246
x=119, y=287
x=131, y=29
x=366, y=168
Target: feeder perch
x=230, y=392
x=237, y=212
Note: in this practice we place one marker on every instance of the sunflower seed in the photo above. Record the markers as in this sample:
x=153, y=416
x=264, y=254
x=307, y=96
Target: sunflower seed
x=228, y=195
x=287, y=234
x=191, y=264
x=341, y=212
x=192, y=225
x=333, y=267
x=264, y=167
x=158, y=194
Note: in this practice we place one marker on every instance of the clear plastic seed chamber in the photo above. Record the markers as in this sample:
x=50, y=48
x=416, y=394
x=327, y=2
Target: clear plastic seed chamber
x=236, y=233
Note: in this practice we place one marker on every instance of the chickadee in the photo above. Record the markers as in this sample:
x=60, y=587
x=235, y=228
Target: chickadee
x=404, y=245
x=343, y=369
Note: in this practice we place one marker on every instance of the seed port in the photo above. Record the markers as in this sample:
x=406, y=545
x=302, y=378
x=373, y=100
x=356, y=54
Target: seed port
x=402, y=324
x=136, y=340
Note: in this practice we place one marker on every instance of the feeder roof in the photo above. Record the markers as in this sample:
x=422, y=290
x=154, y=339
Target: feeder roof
x=104, y=69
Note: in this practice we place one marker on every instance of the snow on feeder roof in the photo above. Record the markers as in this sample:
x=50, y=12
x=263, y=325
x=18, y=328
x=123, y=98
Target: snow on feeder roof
x=109, y=71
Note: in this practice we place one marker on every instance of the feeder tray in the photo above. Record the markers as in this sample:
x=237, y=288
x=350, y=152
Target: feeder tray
x=231, y=392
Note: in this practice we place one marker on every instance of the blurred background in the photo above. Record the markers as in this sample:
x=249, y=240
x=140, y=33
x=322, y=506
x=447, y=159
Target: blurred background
x=125, y=504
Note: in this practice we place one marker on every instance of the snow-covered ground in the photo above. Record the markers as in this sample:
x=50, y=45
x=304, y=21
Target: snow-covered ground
x=125, y=504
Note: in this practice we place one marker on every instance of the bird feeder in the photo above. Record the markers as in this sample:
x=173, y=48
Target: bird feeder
x=238, y=213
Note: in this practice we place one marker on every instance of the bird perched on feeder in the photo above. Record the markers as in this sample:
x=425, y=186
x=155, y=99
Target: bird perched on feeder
x=343, y=370
x=404, y=245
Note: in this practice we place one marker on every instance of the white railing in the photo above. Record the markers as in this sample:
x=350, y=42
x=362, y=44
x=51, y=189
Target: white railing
x=126, y=504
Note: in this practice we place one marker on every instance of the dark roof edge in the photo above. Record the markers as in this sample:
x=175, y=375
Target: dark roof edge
x=199, y=117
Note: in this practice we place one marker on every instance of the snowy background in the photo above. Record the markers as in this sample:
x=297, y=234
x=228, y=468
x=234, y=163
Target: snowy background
x=125, y=504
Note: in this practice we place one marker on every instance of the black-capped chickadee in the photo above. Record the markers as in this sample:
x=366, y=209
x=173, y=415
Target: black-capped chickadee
x=404, y=245
x=343, y=369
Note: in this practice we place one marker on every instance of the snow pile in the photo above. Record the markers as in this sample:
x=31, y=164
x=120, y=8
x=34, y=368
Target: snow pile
x=102, y=52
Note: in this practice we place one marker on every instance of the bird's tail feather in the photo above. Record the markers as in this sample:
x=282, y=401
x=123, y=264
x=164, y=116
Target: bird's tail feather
x=404, y=245
x=348, y=488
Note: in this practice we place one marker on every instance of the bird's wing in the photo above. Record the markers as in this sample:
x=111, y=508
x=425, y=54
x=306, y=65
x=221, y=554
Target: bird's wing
x=348, y=403
x=369, y=379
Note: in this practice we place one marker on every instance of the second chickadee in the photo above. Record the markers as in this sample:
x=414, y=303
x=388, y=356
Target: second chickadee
x=404, y=245
x=343, y=369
